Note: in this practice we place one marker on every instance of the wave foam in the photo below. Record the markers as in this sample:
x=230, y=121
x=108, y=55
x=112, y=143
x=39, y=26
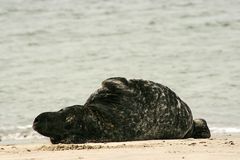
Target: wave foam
x=16, y=133
x=225, y=130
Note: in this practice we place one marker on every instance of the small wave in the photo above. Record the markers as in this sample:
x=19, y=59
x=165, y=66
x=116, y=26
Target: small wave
x=21, y=136
x=16, y=133
x=9, y=128
x=225, y=130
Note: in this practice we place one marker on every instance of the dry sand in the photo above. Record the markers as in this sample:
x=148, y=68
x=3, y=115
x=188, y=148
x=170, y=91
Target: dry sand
x=219, y=147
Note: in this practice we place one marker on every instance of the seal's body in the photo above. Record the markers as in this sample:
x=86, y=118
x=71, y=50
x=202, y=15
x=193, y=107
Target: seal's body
x=123, y=110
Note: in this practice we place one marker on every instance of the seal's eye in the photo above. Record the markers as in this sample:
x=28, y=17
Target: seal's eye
x=67, y=126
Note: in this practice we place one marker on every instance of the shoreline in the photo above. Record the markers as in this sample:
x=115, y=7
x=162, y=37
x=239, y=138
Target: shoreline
x=221, y=147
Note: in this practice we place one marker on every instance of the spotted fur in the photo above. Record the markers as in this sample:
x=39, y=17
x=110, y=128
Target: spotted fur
x=124, y=110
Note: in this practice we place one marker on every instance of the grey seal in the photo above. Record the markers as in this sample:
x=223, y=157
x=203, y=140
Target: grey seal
x=123, y=110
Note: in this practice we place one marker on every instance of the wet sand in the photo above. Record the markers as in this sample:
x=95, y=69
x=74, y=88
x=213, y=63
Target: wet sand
x=221, y=147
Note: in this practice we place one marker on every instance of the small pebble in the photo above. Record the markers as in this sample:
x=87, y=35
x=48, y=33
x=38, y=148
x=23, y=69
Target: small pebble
x=230, y=142
x=192, y=144
x=202, y=142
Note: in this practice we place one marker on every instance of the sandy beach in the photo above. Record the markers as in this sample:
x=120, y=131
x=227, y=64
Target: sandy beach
x=221, y=147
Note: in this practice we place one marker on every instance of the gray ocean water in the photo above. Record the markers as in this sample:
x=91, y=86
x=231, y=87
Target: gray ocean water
x=55, y=53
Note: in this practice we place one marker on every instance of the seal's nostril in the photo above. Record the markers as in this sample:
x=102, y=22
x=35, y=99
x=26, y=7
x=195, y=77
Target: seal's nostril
x=36, y=120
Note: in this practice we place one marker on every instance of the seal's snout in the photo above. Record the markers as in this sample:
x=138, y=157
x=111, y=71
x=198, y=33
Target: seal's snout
x=46, y=123
x=38, y=122
x=35, y=122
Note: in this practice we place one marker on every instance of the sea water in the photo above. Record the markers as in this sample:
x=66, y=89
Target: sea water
x=55, y=53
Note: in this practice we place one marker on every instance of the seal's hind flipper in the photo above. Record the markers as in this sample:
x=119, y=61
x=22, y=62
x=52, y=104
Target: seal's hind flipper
x=201, y=129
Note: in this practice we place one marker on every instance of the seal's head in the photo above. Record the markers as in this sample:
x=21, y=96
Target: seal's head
x=200, y=129
x=61, y=124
